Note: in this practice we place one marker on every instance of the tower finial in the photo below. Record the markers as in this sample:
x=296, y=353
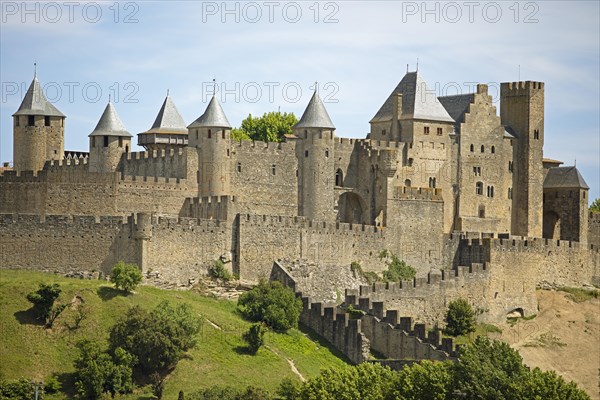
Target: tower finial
x=109, y=97
x=214, y=86
x=34, y=70
x=167, y=92
x=576, y=161
x=407, y=68
x=316, y=87
x=417, y=64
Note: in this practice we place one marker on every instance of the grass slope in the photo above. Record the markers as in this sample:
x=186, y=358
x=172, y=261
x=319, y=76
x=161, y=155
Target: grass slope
x=28, y=350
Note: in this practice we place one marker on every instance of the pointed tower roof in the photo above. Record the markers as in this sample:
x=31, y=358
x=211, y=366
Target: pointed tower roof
x=315, y=115
x=110, y=124
x=564, y=177
x=35, y=103
x=418, y=102
x=213, y=117
x=168, y=119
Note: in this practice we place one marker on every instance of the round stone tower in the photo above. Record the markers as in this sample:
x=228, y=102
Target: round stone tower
x=316, y=162
x=108, y=142
x=211, y=135
x=39, y=131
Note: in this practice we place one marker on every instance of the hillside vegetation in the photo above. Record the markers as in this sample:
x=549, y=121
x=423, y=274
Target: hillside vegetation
x=29, y=350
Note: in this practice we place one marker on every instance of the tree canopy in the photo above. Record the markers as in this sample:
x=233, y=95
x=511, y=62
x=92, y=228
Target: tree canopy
x=271, y=127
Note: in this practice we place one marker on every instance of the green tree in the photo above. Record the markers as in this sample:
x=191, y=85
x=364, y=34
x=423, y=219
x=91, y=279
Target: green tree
x=365, y=381
x=288, y=389
x=460, y=318
x=595, y=207
x=255, y=337
x=271, y=127
x=427, y=380
x=272, y=303
x=158, y=338
x=548, y=385
x=97, y=372
x=19, y=390
x=217, y=270
x=43, y=301
x=125, y=276
x=396, y=269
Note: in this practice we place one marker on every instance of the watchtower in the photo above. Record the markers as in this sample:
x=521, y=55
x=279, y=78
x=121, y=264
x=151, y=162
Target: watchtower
x=108, y=142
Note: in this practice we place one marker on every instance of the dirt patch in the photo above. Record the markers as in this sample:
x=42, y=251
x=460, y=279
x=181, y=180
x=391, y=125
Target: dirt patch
x=564, y=336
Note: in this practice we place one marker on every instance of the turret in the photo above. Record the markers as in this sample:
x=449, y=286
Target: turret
x=316, y=158
x=168, y=130
x=108, y=142
x=210, y=134
x=39, y=131
x=522, y=109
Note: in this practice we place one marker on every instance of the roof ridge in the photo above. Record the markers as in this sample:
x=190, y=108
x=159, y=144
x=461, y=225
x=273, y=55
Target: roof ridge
x=35, y=103
x=315, y=115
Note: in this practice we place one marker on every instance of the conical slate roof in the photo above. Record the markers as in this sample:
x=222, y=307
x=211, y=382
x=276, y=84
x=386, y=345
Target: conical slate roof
x=564, y=177
x=35, y=103
x=168, y=119
x=213, y=117
x=110, y=124
x=418, y=102
x=315, y=115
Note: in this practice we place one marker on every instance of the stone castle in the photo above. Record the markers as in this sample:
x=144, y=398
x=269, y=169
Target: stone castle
x=459, y=192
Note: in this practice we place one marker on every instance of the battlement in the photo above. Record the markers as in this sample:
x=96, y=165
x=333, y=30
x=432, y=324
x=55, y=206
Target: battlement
x=30, y=220
x=417, y=193
x=153, y=181
x=274, y=147
x=302, y=222
x=66, y=162
x=142, y=155
x=208, y=207
x=516, y=88
x=363, y=298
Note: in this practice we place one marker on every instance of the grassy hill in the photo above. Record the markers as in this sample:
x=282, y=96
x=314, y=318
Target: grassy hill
x=29, y=350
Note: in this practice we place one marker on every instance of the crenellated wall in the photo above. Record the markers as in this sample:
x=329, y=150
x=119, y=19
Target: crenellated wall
x=160, y=163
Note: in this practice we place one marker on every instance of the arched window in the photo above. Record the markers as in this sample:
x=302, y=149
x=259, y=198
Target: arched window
x=472, y=148
x=490, y=191
x=223, y=134
x=326, y=153
x=305, y=153
x=239, y=167
x=493, y=149
x=481, y=211
x=479, y=188
x=273, y=169
x=431, y=182
x=339, y=178
x=482, y=148
x=209, y=133
x=407, y=183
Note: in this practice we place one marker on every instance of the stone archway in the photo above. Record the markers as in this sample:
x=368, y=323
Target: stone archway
x=551, y=228
x=350, y=208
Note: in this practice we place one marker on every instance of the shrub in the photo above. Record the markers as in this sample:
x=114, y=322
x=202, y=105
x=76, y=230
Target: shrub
x=52, y=384
x=396, y=269
x=125, y=276
x=43, y=301
x=218, y=271
x=460, y=318
x=255, y=337
x=20, y=389
x=272, y=303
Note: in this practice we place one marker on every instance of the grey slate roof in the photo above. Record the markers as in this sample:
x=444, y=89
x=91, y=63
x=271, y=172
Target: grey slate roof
x=35, y=103
x=564, y=177
x=168, y=119
x=509, y=133
x=110, y=124
x=417, y=102
x=213, y=117
x=315, y=115
x=457, y=105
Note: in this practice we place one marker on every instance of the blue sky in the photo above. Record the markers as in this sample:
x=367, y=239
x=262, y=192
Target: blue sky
x=267, y=55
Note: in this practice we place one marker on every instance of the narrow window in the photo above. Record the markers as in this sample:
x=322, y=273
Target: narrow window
x=93, y=141
x=493, y=149
x=126, y=148
x=305, y=134
x=410, y=162
x=510, y=194
x=197, y=136
x=46, y=121
x=305, y=153
x=209, y=133
x=273, y=169
x=339, y=178
x=239, y=167
x=223, y=134
x=426, y=130
x=30, y=120
x=17, y=119
x=536, y=134
x=105, y=141
x=472, y=148
x=584, y=195
x=120, y=141
x=482, y=148
x=407, y=183
x=481, y=211
x=510, y=166
x=440, y=131
x=326, y=153
x=432, y=182
x=479, y=188
x=227, y=152
x=383, y=132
